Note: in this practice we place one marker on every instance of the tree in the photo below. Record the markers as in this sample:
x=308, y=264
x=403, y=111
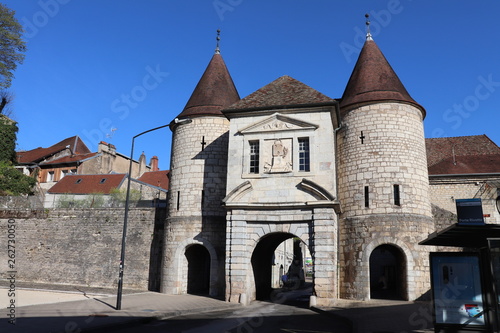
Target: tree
x=12, y=45
x=13, y=182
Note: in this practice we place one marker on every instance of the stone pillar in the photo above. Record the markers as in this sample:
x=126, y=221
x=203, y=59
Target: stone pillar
x=323, y=247
x=238, y=257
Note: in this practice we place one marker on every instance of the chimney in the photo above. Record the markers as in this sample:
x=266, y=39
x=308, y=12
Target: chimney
x=154, y=163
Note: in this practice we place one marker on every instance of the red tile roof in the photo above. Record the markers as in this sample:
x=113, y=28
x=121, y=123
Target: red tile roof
x=281, y=93
x=88, y=184
x=214, y=91
x=39, y=154
x=459, y=165
x=69, y=159
x=373, y=79
x=156, y=178
x=439, y=149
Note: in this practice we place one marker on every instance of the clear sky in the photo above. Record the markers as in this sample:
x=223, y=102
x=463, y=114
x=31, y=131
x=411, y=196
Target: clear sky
x=93, y=66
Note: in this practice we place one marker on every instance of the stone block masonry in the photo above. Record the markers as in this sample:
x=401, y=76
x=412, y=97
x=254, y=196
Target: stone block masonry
x=82, y=247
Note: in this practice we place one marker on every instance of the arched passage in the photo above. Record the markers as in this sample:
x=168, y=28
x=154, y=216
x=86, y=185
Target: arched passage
x=388, y=273
x=263, y=261
x=198, y=277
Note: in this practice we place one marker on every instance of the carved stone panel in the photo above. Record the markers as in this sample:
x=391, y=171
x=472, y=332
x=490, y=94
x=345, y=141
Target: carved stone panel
x=277, y=155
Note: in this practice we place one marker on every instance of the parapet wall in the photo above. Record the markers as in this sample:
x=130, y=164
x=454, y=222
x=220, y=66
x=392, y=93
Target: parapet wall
x=82, y=247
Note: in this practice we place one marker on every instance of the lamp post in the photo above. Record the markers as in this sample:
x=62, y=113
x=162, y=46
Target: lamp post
x=125, y=218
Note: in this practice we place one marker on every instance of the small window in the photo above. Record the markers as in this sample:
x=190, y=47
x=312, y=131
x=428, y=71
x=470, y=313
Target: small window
x=397, y=197
x=367, y=197
x=102, y=181
x=78, y=181
x=50, y=176
x=254, y=156
x=304, y=161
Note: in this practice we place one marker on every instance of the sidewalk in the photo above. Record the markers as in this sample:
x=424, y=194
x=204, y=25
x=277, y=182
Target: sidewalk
x=87, y=310
x=98, y=312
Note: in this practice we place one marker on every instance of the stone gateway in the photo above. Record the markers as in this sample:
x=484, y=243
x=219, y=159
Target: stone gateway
x=347, y=178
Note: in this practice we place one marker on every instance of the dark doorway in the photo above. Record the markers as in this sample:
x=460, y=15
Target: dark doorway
x=198, y=270
x=388, y=273
x=263, y=262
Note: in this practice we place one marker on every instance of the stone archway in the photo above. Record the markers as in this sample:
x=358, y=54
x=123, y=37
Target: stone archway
x=263, y=261
x=388, y=273
x=198, y=273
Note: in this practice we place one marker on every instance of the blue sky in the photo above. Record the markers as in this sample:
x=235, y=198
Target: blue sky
x=130, y=65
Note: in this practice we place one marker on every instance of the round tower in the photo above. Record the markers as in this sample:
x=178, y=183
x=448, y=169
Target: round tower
x=195, y=228
x=383, y=185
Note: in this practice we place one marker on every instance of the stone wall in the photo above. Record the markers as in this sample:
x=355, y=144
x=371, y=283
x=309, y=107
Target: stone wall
x=82, y=247
x=444, y=190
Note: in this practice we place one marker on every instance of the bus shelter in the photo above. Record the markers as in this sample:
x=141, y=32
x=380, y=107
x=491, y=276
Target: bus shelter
x=465, y=284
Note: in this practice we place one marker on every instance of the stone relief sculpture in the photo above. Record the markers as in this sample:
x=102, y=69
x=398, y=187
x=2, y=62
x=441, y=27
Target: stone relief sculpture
x=280, y=159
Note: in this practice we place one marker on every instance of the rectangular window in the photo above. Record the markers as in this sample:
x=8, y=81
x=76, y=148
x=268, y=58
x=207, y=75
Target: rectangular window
x=178, y=199
x=50, y=176
x=367, y=197
x=254, y=156
x=304, y=161
x=397, y=198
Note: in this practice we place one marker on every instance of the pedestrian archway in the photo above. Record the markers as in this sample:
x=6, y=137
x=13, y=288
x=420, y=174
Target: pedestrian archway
x=198, y=277
x=388, y=273
x=268, y=266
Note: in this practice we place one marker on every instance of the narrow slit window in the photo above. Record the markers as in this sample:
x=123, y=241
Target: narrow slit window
x=178, y=199
x=304, y=154
x=367, y=196
x=254, y=157
x=202, y=198
x=397, y=195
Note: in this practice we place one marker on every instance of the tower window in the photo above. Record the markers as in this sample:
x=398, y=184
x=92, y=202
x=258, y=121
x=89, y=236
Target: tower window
x=304, y=154
x=254, y=156
x=367, y=197
x=178, y=199
x=397, y=197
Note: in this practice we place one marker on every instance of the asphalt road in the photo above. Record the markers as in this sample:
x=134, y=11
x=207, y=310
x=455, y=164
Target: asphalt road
x=289, y=313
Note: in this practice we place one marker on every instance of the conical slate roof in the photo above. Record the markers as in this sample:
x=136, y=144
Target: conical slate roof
x=373, y=79
x=281, y=93
x=214, y=91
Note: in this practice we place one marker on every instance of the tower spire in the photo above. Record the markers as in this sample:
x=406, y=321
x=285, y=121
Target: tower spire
x=368, y=34
x=217, y=50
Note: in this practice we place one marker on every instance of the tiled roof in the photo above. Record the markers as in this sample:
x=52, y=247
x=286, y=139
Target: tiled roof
x=457, y=165
x=214, y=91
x=39, y=154
x=373, y=79
x=69, y=159
x=156, y=178
x=439, y=149
x=88, y=184
x=281, y=93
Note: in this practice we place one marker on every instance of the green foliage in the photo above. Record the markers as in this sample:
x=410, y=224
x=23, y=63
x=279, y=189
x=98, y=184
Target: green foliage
x=8, y=130
x=119, y=196
x=12, y=45
x=13, y=181
x=94, y=200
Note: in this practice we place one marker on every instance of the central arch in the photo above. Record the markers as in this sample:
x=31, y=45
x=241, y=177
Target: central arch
x=263, y=260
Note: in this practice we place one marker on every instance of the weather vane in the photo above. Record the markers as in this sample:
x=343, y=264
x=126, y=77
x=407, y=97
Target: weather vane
x=217, y=50
x=368, y=34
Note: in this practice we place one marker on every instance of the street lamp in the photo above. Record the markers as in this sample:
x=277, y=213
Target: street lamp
x=125, y=218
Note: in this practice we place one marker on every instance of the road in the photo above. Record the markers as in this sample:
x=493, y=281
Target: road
x=288, y=313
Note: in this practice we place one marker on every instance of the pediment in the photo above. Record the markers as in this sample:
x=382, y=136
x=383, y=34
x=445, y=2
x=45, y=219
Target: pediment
x=278, y=123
